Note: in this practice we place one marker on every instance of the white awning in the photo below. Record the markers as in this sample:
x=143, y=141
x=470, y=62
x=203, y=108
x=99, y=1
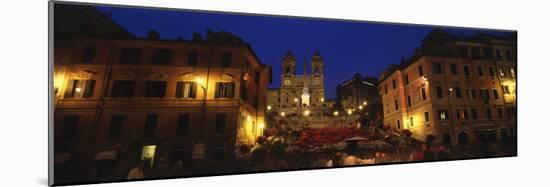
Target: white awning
x=60, y=158
x=106, y=155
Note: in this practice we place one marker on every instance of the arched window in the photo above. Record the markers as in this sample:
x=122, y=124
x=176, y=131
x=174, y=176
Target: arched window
x=287, y=70
x=317, y=71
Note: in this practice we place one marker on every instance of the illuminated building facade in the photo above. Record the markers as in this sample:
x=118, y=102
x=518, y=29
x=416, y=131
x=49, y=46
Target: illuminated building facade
x=303, y=95
x=120, y=99
x=459, y=89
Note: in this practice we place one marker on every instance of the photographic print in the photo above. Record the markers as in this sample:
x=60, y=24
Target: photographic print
x=143, y=93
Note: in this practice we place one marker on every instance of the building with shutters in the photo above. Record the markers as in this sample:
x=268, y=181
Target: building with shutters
x=459, y=89
x=121, y=99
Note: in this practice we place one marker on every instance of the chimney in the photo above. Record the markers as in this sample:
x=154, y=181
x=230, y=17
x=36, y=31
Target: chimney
x=153, y=35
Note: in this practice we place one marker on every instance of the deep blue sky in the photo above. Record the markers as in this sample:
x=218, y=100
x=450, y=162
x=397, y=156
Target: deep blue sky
x=347, y=47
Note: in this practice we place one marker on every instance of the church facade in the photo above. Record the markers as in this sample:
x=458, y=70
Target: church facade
x=299, y=92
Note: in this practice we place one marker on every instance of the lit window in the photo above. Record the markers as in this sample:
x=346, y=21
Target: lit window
x=443, y=114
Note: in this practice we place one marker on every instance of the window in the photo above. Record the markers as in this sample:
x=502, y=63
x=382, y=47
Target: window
x=475, y=51
x=80, y=88
x=220, y=123
x=508, y=55
x=495, y=94
x=186, y=89
x=411, y=121
x=88, y=55
x=217, y=152
x=472, y=94
x=130, y=56
x=491, y=71
x=512, y=72
x=443, y=114
x=488, y=53
x=499, y=57
x=396, y=105
x=511, y=111
x=224, y=90
x=423, y=94
x=287, y=70
x=68, y=131
x=406, y=79
x=458, y=92
x=398, y=125
x=426, y=116
x=244, y=92
x=506, y=90
x=420, y=71
x=226, y=60
x=489, y=114
x=453, y=69
x=183, y=125
x=394, y=84
x=484, y=95
x=502, y=74
x=474, y=113
x=317, y=71
x=500, y=114
x=409, y=102
x=192, y=58
x=436, y=68
x=161, y=57
x=155, y=89
x=385, y=89
x=123, y=88
x=461, y=114
x=463, y=51
x=439, y=91
x=178, y=154
x=150, y=125
x=115, y=128
x=466, y=70
x=479, y=71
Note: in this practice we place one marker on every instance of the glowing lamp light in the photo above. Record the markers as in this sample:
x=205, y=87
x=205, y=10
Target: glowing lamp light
x=295, y=99
x=282, y=113
x=450, y=89
x=335, y=113
x=77, y=90
x=261, y=125
x=268, y=107
x=364, y=103
x=350, y=111
x=199, y=81
x=306, y=113
x=322, y=99
x=361, y=107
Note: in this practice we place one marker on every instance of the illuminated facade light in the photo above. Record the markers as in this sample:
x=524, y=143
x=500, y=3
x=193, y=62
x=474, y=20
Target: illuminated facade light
x=350, y=111
x=361, y=107
x=199, y=81
x=322, y=99
x=335, y=113
x=306, y=113
x=77, y=90
x=268, y=107
x=450, y=89
x=364, y=103
x=295, y=99
x=282, y=113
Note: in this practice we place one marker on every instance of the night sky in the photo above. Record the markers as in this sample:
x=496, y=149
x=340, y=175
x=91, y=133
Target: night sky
x=347, y=47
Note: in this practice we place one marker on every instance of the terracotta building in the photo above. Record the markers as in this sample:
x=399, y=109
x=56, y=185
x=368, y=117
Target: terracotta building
x=460, y=89
x=120, y=99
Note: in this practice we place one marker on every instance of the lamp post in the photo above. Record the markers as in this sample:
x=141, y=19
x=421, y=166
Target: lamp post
x=199, y=146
